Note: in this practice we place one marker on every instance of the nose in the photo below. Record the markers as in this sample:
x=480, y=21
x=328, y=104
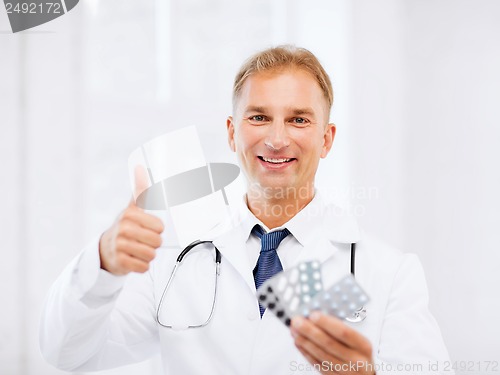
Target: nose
x=277, y=137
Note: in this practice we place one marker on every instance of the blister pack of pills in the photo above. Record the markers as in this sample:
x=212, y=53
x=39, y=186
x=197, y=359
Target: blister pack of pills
x=299, y=291
x=287, y=291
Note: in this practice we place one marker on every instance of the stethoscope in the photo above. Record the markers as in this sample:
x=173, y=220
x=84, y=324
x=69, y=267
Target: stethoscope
x=191, y=246
x=357, y=316
x=360, y=314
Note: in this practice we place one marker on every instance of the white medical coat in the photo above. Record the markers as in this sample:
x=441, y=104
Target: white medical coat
x=94, y=321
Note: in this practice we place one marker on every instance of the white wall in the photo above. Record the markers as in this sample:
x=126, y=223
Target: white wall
x=416, y=87
x=425, y=131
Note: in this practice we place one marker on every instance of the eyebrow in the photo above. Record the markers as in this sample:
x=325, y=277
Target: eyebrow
x=303, y=111
x=295, y=111
x=254, y=108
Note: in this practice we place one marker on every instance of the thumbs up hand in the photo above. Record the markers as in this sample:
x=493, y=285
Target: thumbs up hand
x=130, y=244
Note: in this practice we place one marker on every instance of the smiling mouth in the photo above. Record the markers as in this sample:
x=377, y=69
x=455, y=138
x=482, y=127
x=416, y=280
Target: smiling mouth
x=277, y=160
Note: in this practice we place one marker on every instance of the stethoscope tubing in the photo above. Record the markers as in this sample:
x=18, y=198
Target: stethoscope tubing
x=218, y=259
x=357, y=317
x=360, y=314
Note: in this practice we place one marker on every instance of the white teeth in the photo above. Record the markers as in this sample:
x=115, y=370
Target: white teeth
x=276, y=161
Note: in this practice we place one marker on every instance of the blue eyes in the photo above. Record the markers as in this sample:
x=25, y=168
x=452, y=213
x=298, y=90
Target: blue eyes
x=261, y=119
x=257, y=118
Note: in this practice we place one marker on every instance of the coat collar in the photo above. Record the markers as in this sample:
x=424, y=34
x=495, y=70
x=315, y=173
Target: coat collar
x=338, y=224
x=320, y=228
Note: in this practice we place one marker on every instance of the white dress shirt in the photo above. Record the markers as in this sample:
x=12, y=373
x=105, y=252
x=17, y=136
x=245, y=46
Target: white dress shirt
x=301, y=227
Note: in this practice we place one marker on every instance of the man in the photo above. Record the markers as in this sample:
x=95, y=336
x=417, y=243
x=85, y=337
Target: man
x=96, y=318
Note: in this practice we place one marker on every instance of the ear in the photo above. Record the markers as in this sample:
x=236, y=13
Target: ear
x=328, y=138
x=230, y=133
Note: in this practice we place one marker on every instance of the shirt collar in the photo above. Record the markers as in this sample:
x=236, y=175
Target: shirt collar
x=336, y=223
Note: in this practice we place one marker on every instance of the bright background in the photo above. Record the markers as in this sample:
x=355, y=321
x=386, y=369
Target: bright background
x=417, y=87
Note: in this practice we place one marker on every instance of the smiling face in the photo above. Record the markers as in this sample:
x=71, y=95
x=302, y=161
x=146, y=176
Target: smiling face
x=280, y=130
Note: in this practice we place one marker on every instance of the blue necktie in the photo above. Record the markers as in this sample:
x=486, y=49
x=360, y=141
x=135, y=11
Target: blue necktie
x=268, y=263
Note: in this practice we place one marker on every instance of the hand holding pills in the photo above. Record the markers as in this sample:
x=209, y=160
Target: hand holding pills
x=298, y=298
x=333, y=346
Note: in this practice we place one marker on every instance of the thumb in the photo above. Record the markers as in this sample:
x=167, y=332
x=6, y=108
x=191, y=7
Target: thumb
x=132, y=202
x=141, y=184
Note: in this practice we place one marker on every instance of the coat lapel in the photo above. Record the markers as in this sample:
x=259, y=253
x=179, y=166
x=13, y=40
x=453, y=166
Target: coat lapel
x=232, y=245
x=335, y=230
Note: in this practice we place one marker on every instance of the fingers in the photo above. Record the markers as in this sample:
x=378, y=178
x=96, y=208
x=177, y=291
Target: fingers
x=316, y=349
x=342, y=332
x=132, y=232
x=316, y=355
x=325, y=338
x=309, y=336
x=129, y=264
x=137, y=215
x=136, y=249
x=131, y=243
x=123, y=256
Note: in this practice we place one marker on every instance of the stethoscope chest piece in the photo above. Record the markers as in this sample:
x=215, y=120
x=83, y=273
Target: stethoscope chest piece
x=357, y=316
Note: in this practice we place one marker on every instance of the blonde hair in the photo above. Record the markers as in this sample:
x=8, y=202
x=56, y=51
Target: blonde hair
x=281, y=58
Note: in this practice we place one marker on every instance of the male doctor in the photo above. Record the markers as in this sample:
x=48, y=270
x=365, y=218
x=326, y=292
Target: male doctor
x=101, y=312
